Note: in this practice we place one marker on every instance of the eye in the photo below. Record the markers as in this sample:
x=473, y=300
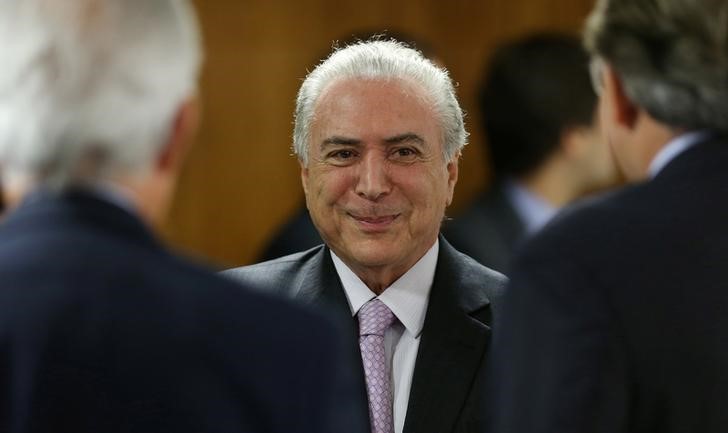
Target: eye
x=405, y=154
x=342, y=156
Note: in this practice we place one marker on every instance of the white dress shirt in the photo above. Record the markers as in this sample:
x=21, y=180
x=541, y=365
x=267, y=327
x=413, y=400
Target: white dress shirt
x=407, y=298
x=674, y=148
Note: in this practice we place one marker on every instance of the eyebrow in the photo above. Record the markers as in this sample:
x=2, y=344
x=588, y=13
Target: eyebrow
x=339, y=140
x=347, y=141
x=407, y=136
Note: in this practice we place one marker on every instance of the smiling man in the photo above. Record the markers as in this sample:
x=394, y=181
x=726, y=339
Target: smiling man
x=378, y=134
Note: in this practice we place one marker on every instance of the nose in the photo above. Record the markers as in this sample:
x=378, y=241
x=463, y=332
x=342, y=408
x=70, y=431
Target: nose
x=373, y=181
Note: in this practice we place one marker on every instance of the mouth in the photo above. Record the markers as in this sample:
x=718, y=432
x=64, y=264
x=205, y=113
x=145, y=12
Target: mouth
x=374, y=223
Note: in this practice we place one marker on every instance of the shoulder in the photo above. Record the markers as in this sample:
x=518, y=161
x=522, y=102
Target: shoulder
x=238, y=304
x=592, y=226
x=277, y=275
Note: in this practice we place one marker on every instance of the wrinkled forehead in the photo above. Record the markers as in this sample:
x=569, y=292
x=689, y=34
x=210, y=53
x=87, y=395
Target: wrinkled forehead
x=376, y=92
x=374, y=111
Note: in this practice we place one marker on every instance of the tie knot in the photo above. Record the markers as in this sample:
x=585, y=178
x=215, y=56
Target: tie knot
x=375, y=318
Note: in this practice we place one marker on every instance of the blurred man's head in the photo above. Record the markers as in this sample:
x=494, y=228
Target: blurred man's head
x=662, y=67
x=537, y=104
x=378, y=133
x=95, y=91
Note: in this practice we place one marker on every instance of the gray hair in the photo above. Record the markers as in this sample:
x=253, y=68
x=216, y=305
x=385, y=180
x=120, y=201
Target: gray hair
x=89, y=88
x=672, y=56
x=386, y=60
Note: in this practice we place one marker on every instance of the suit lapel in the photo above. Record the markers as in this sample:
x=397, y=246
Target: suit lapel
x=322, y=288
x=451, y=351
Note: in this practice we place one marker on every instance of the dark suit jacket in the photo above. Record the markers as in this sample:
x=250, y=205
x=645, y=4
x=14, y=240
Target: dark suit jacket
x=617, y=316
x=488, y=230
x=448, y=375
x=102, y=330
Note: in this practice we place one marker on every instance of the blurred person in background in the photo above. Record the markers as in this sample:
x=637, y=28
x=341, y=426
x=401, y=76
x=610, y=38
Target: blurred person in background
x=101, y=328
x=615, y=320
x=378, y=134
x=538, y=112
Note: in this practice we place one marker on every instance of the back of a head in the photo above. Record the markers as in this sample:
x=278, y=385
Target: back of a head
x=379, y=59
x=89, y=88
x=533, y=89
x=672, y=56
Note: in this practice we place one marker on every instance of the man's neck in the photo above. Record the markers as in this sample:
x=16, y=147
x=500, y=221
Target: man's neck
x=551, y=183
x=379, y=278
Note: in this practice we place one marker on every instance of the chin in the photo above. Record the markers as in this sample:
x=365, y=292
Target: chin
x=372, y=254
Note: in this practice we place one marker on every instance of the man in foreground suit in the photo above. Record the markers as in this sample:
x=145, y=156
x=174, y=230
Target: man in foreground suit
x=101, y=329
x=378, y=134
x=616, y=317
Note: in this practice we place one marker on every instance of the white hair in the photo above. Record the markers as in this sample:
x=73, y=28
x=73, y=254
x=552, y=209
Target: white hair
x=385, y=60
x=672, y=56
x=89, y=88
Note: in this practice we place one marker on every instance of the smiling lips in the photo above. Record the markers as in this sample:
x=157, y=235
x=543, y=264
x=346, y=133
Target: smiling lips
x=374, y=223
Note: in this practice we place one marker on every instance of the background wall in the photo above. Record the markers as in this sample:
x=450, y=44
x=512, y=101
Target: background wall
x=241, y=181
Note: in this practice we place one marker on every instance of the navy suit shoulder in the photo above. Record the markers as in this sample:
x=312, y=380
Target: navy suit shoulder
x=614, y=300
x=282, y=275
x=101, y=329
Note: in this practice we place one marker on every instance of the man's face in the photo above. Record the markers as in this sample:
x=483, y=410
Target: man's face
x=377, y=183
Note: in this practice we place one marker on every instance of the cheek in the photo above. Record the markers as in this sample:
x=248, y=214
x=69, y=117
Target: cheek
x=428, y=192
x=326, y=188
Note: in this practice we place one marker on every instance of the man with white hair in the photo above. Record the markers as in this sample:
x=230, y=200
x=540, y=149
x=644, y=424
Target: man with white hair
x=101, y=329
x=378, y=133
x=616, y=317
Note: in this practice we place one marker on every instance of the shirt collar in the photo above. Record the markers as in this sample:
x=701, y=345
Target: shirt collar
x=675, y=147
x=407, y=297
x=530, y=208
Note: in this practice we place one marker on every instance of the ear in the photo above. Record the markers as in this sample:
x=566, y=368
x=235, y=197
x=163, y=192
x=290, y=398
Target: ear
x=304, y=177
x=452, y=177
x=181, y=136
x=622, y=110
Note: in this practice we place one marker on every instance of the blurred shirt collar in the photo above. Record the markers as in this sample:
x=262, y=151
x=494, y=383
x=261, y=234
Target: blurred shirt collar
x=675, y=147
x=532, y=210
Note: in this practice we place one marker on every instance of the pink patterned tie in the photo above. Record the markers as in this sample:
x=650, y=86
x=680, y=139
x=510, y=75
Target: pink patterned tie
x=374, y=319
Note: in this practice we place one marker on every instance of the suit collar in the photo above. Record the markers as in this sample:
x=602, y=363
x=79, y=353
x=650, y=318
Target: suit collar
x=321, y=284
x=707, y=156
x=80, y=208
x=675, y=147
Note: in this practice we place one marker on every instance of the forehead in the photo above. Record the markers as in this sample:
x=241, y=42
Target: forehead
x=374, y=107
